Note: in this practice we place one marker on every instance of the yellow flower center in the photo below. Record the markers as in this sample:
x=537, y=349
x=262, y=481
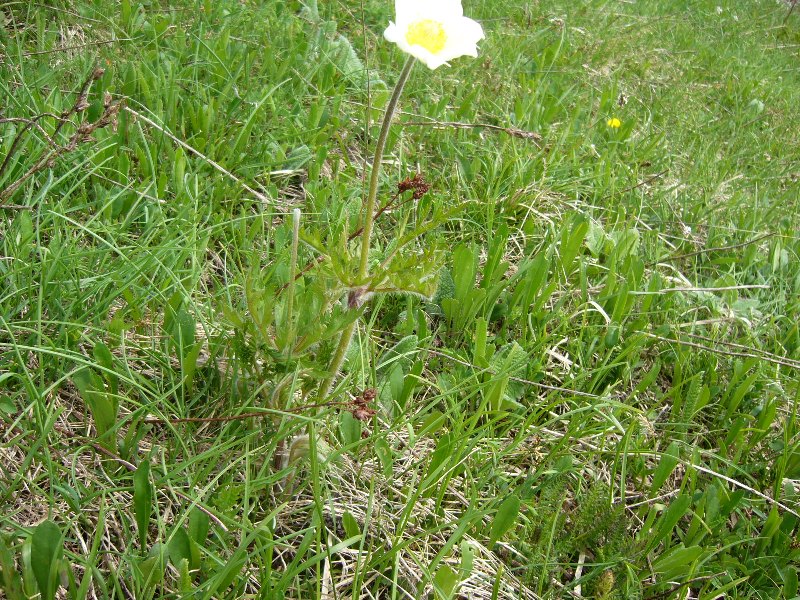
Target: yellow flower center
x=428, y=34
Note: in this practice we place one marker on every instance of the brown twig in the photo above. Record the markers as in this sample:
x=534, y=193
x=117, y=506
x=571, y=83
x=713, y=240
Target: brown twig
x=77, y=47
x=262, y=197
x=717, y=249
x=83, y=133
x=129, y=466
x=636, y=186
x=29, y=123
x=18, y=138
x=82, y=101
x=544, y=386
x=789, y=13
x=243, y=416
x=669, y=593
x=536, y=138
x=784, y=362
x=749, y=349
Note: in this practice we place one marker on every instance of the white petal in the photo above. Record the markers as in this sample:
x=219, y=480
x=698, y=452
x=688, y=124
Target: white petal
x=445, y=9
x=470, y=29
x=463, y=36
x=408, y=11
x=393, y=33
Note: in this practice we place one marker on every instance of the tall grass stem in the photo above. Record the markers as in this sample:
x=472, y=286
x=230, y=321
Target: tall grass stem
x=292, y=277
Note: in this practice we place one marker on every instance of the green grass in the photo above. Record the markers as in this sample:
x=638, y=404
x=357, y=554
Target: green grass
x=600, y=400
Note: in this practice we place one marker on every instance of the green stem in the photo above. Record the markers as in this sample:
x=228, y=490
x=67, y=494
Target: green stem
x=369, y=217
x=292, y=278
x=380, y=146
x=337, y=360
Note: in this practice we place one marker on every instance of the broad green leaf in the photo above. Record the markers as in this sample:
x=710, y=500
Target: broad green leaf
x=179, y=547
x=431, y=424
x=198, y=525
x=105, y=359
x=148, y=571
x=401, y=353
x=445, y=582
x=446, y=287
x=505, y=518
x=479, y=351
x=494, y=269
x=676, y=562
x=625, y=242
x=667, y=464
x=225, y=576
x=142, y=501
x=183, y=332
x=151, y=569
x=184, y=574
x=350, y=428
x=441, y=454
x=350, y=525
x=465, y=264
x=768, y=530
x=467, y=560
x=46, y=549
x=102, y=405
x=10, y=581
x=571, y=241
x=496, y=392
x=7, y=406
x=397, y=379
x=596, y=239
x=384, y=453
x=790, y=584
x=668, y=521
x=189, y=364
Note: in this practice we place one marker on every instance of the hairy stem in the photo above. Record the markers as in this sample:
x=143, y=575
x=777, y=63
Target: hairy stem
x=369, y=218
x=380, y=146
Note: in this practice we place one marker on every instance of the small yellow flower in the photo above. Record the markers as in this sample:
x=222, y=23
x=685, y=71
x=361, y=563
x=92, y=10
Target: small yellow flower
x=614, y=122
x=434, y=31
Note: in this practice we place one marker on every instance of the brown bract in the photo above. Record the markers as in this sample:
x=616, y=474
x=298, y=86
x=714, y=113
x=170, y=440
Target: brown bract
x=360, y=407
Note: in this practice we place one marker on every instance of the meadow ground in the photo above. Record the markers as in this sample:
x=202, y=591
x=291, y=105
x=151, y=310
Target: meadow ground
x=580, y=378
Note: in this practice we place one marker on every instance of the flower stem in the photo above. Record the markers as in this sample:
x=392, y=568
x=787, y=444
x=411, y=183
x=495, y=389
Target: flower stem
x=369, y=217
x=380, y=146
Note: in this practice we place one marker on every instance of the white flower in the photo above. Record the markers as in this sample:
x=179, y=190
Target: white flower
x=434, y=31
